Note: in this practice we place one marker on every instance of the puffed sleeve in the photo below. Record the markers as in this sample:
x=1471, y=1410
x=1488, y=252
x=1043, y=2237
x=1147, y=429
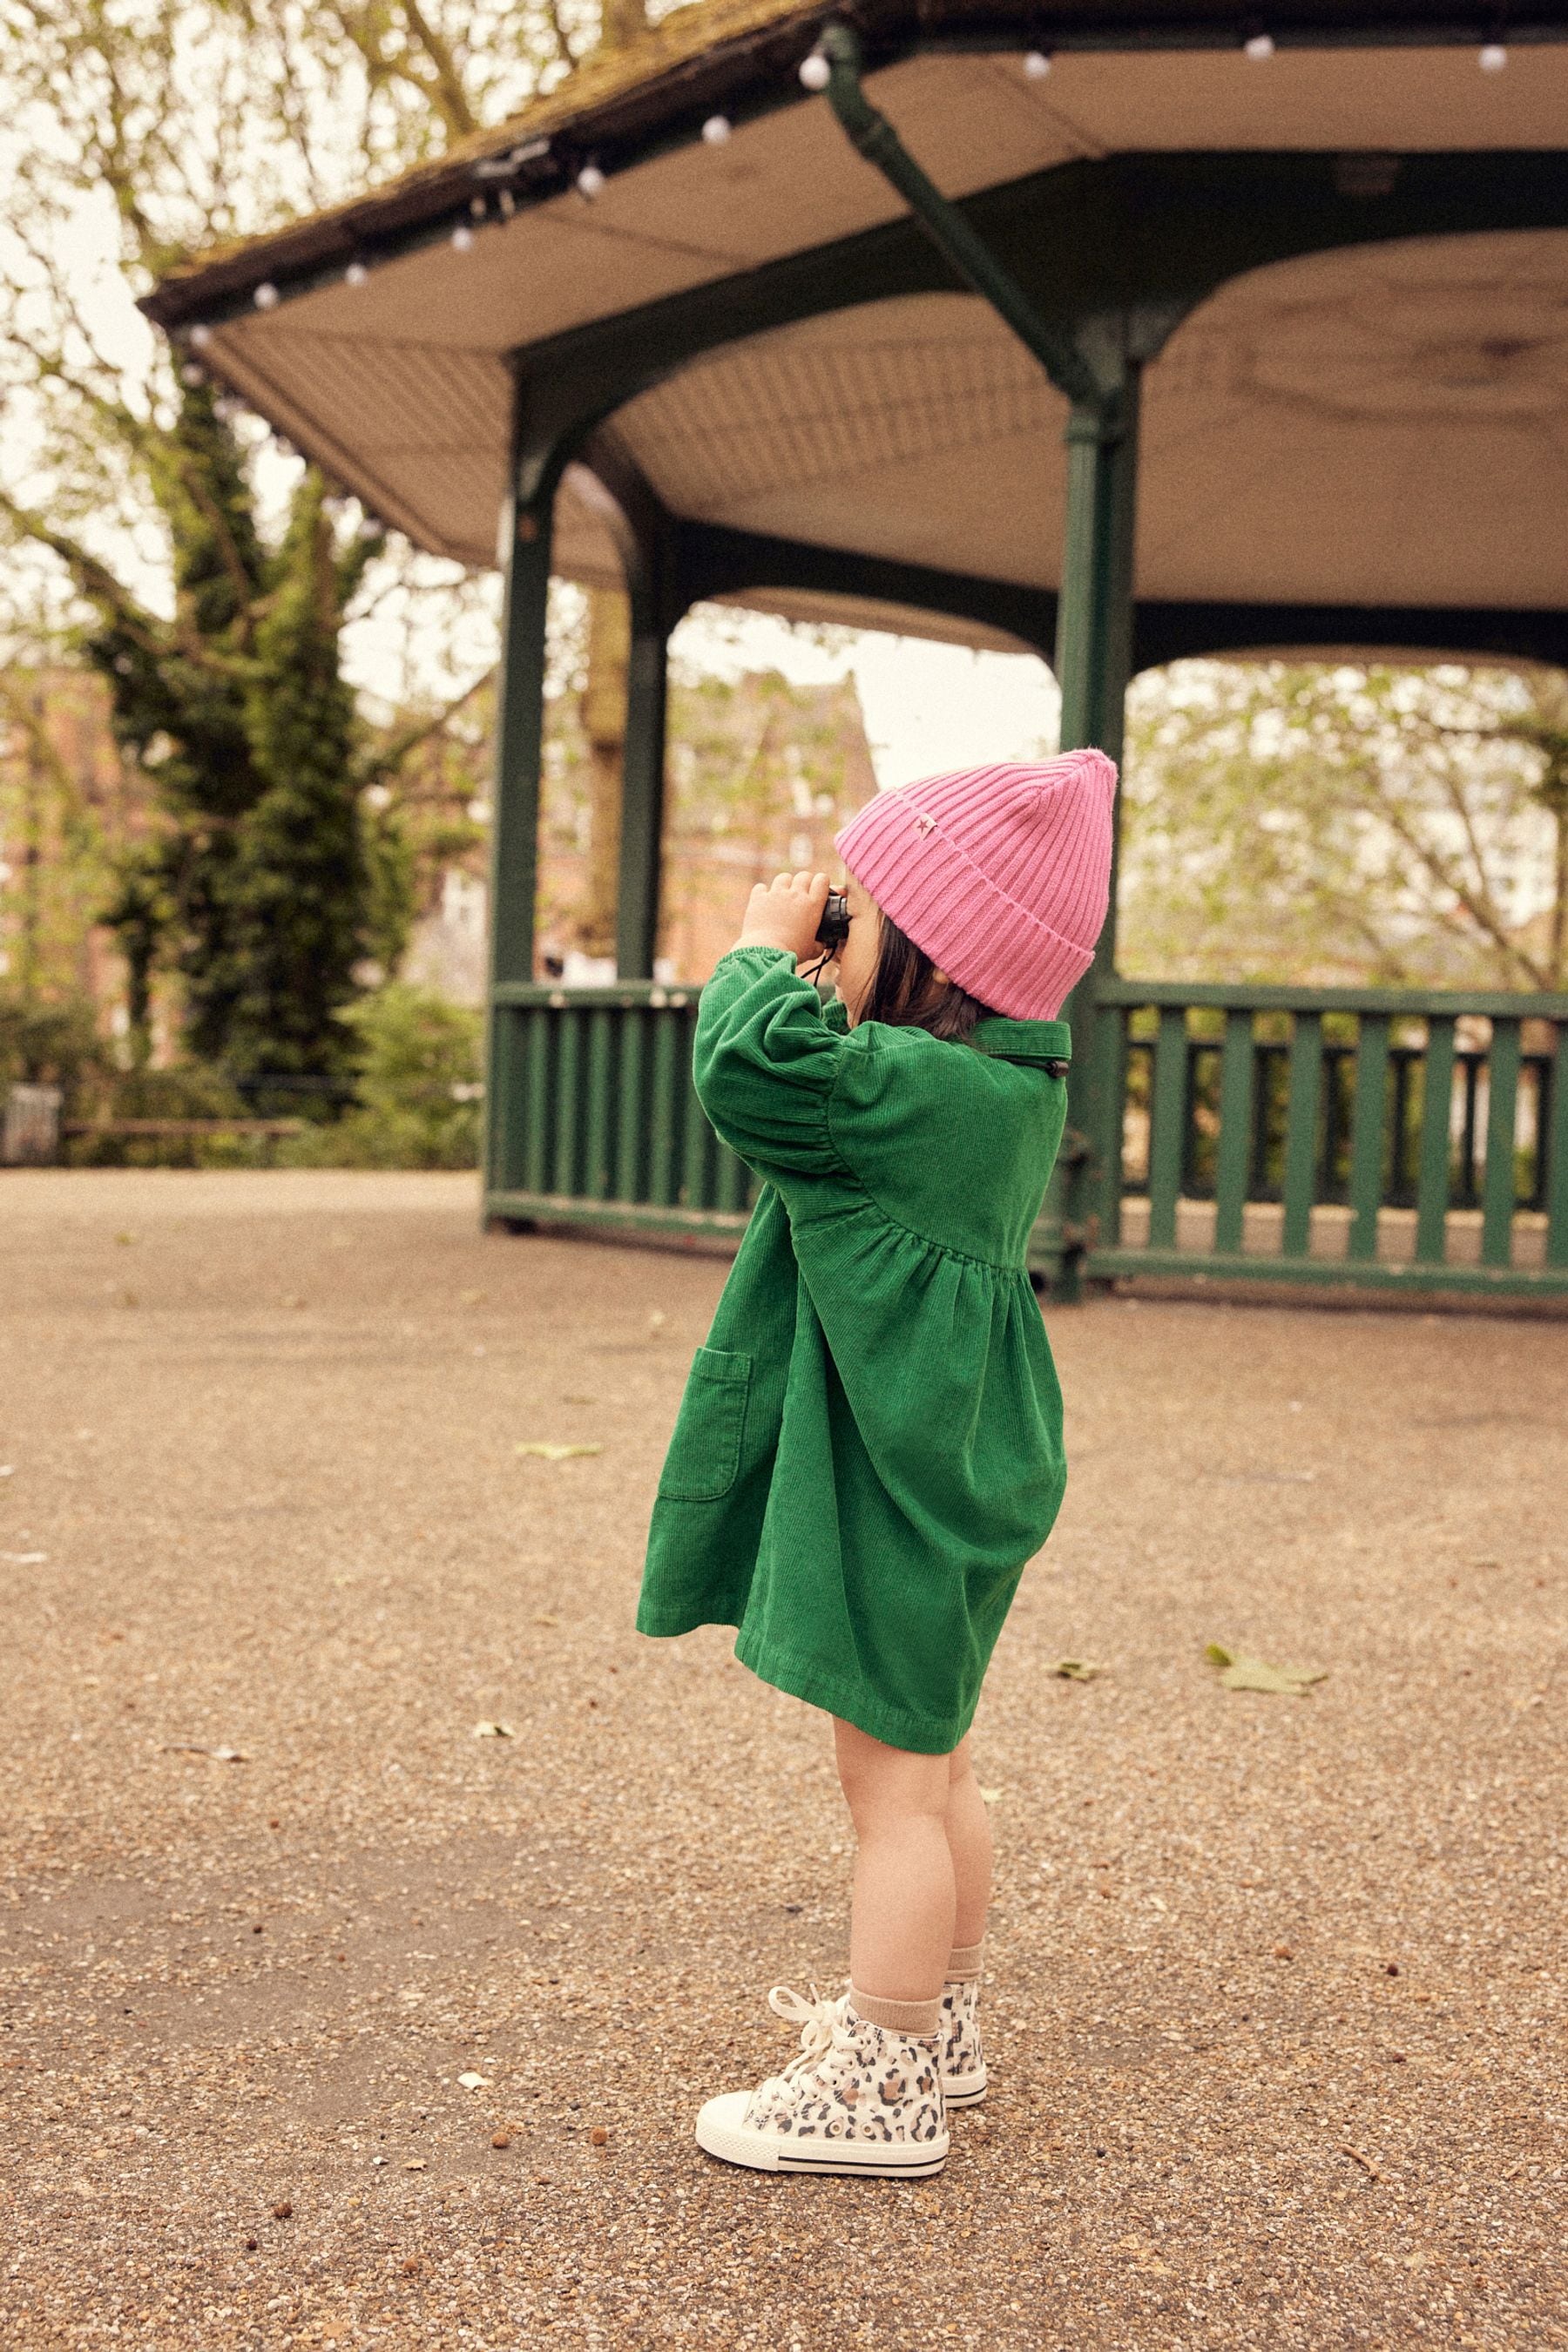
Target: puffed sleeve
x=764, y=1062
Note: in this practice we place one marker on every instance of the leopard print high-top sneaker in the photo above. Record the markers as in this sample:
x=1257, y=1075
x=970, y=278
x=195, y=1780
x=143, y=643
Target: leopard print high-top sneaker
x=860, y=2098
x=962, y=2055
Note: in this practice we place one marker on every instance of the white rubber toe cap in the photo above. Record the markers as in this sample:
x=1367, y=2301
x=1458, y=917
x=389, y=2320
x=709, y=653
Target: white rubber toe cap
x=722, y=2131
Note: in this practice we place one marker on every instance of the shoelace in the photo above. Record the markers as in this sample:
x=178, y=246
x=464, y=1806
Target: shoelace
x=821, y=2022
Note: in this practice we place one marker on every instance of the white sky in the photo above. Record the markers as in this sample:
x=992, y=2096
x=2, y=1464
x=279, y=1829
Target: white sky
x=928, y=707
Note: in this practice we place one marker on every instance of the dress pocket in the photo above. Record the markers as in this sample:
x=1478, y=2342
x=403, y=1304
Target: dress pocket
x=704, y=1454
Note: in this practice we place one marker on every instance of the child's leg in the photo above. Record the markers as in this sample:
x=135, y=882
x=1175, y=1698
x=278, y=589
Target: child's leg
x=905, y=1902
x=969, y=1843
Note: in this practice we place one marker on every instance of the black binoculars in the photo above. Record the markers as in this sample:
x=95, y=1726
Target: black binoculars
x=834, y=927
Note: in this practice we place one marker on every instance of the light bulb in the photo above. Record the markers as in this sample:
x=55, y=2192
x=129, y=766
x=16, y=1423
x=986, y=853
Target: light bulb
x=462, y=237
x=1036, y=65
x=716, y=130
x=355, y=274
x=1493, y=57
x=200, y=337
x=266, y=297
x=814, y=70
x=1259, y=47
x=590, y=182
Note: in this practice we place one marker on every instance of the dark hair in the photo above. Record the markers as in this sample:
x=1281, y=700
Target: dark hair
x=906, y=993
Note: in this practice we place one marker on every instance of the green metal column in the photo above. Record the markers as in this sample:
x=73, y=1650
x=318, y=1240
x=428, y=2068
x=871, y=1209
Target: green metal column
x=1094, y=662
x=514, y=828
x=642, y=769
x=1095, y=360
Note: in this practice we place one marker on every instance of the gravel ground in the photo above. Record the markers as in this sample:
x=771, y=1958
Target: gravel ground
x=1275, y=2033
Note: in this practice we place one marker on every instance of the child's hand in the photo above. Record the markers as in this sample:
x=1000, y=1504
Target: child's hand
x=785, y=913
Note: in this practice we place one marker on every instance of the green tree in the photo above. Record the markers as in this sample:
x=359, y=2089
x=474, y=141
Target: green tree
x=279, y=874
x=1331, y=822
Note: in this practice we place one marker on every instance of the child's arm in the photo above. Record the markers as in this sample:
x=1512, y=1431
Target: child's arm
x=765, y=1061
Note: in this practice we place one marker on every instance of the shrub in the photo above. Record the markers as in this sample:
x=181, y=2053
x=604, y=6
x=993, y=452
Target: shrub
x=56, y=1045
x=416, y=1094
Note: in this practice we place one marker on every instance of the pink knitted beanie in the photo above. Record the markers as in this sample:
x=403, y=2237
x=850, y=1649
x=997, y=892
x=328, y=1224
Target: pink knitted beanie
x=1000, y=875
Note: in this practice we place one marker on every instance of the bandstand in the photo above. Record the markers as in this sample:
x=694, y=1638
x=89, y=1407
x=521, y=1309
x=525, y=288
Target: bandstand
x=1115, y=331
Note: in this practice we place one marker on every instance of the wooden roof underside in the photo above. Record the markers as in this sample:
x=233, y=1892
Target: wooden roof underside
x=1383, y=423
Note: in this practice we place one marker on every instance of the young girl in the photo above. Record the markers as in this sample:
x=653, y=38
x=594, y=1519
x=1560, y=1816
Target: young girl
x=869, y=1447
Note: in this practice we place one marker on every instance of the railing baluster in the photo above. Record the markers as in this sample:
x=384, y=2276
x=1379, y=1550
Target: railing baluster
x=1556, y=1193
x=696, y=1138
x=536, y=1140
x=629, y=1126
x=505, y=1062
x=1306, y=1082
x=1167, y=1105
x=1437, y=1118
x=1111, y=1026
x=1234, y=1157
x=568, y=1101
x=1499, y=1183
x=1367, y=1123
x=669, y=1078
x=596, y=1174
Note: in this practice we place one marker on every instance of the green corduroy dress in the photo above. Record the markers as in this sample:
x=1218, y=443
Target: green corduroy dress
x=869, y=1447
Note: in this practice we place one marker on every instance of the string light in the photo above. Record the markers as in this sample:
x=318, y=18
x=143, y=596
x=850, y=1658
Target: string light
x=355, y=274
x=477, y=207
x=266, y=296
x=192, y=375
x=716, y=130
x=814, y=70
x=1036, y=65
x=1259, y=47
x=462, y=237
x=1493, y=57
x=200, y=337
x=590, y=182
x=507, y=204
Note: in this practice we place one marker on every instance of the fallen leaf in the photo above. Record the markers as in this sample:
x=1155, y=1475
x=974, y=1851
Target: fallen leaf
x=7, y=1469
x=471, y=1298
x=494, y=1731
x=992, y=1796
x=1239, y=1672
x=194, y=1748
x=124, y=1239
x=473, y=2082
x=552, y=1453
x=1075, y=1670
x=579, y=1400
x=500, y=2140
x=657, y=1319
x=414, y=2163
x=545, y=1619
x=24, y=1559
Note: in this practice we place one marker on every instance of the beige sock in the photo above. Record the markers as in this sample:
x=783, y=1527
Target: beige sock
x=919, y=2018
x=963, y=1963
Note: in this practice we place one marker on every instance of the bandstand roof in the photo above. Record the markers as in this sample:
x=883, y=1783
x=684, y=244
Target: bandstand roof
x=1364, y=403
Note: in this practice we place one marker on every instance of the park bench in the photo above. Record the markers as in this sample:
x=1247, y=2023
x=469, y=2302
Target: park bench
x=266, y=1131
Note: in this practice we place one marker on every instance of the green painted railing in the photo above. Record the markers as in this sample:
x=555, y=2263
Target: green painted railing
x=1375, y=1138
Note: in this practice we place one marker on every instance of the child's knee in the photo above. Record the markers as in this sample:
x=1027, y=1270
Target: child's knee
x=879, y=1781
